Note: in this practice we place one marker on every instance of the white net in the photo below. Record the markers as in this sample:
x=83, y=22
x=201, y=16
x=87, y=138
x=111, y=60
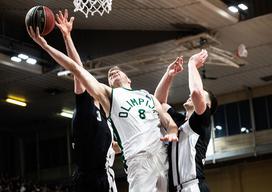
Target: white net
x=92, y=6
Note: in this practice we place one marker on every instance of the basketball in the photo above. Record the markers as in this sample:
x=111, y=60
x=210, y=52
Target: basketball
x=42, y=17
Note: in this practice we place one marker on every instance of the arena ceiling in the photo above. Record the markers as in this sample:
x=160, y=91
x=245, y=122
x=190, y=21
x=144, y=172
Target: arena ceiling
x=141, y=35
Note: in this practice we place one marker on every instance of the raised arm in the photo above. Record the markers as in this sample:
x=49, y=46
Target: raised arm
x=65, y=27
x=97, y=90
x=195, y=82
x=167, y=122
x=162, y=90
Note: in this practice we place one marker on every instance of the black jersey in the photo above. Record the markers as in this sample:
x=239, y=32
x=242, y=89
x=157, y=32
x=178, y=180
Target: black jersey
x=187, y=157
x=91, y=135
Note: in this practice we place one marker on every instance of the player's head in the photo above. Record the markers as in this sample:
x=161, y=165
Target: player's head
x=210, y=99
x=117, y=78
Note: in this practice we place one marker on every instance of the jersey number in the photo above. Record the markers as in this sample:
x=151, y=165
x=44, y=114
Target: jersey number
x=141, y=113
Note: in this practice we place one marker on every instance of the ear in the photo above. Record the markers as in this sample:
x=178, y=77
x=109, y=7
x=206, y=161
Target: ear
x=129, y=81
x=207, y=98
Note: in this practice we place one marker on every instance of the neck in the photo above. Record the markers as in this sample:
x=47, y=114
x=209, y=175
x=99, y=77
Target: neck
x=188, y=114
x=126, y=86
x=96, y=103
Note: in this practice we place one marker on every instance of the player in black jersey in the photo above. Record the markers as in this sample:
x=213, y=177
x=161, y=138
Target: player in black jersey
x=92, y=134
x=187, y=157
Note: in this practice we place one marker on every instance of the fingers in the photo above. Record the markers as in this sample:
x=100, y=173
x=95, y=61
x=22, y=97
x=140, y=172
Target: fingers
x=71, y=20
x=169, y=138
x=66, y=14
x=61, y=15
x=37, y=32
x=28, y=30
x=181, y=60
x=57, y=24
x=174, y=63
x=31, y=31
x=32, y=34
x=58, y=18
x=204, y=55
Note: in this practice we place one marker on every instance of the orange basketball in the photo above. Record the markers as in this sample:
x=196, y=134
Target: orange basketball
x=42, y=17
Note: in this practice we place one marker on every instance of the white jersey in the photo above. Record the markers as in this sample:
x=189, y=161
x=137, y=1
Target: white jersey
x=136, y=120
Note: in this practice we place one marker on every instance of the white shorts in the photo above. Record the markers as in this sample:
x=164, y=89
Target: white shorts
x=111, y=180
x=148, y=172
x=191, y=186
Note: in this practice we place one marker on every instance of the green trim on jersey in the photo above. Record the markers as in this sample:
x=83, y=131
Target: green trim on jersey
x=111, y=102
x=116, y=135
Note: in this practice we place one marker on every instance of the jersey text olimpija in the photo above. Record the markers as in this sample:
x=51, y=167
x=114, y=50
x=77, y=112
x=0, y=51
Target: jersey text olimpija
x=139, y=102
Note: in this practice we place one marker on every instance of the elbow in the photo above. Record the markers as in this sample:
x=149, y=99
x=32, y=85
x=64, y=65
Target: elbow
x=198, y=98
x=197, y=93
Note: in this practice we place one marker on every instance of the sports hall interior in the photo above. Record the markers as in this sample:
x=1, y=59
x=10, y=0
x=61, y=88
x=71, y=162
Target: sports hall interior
x=143, y=37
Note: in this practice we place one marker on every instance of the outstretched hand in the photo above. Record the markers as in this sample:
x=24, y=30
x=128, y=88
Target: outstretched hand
x=63, y=24
x=199, y=59
x=176, y=67
x=170, y=137
x=36, y=36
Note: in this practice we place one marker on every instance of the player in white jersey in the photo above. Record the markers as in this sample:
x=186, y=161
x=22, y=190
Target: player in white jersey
x=147, y=165
x=137, y=122
x=187, y=157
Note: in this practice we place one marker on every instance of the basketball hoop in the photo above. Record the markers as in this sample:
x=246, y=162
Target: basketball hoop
x=92, y=6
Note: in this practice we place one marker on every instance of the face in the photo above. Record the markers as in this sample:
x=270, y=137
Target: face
x=117, y=78
x=188, y=105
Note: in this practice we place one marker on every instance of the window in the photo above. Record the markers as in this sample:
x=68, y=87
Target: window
x=233, y=119
x=245, y=120
x=269, y=103
x=260, y=113
x=219, y=122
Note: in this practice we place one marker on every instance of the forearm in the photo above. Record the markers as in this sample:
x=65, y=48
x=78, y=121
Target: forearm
x=73, y=54
x=92, y=85
x=195, y=82
x=170, y=124
x=71, y=49
x=162, y=90
x=196, y=89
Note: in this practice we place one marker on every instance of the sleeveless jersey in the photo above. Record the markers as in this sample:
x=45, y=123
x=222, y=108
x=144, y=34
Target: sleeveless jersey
x=92, y=136
x=187, y=156
x=136, y=120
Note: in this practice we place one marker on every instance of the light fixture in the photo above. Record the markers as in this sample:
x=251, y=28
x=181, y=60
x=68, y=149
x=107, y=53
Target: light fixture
x=16, y=101
x=23, y=56
x=242, y=6
x=15, y=59
x=67, y=113
x=218, y=127
x=63, y=73
x=243, y=129
x=233, y=9
x=31, y=61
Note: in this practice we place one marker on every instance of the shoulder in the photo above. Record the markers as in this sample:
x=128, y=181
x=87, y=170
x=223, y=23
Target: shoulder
x=178, y=117
x=84, y=97
x=200, y=123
